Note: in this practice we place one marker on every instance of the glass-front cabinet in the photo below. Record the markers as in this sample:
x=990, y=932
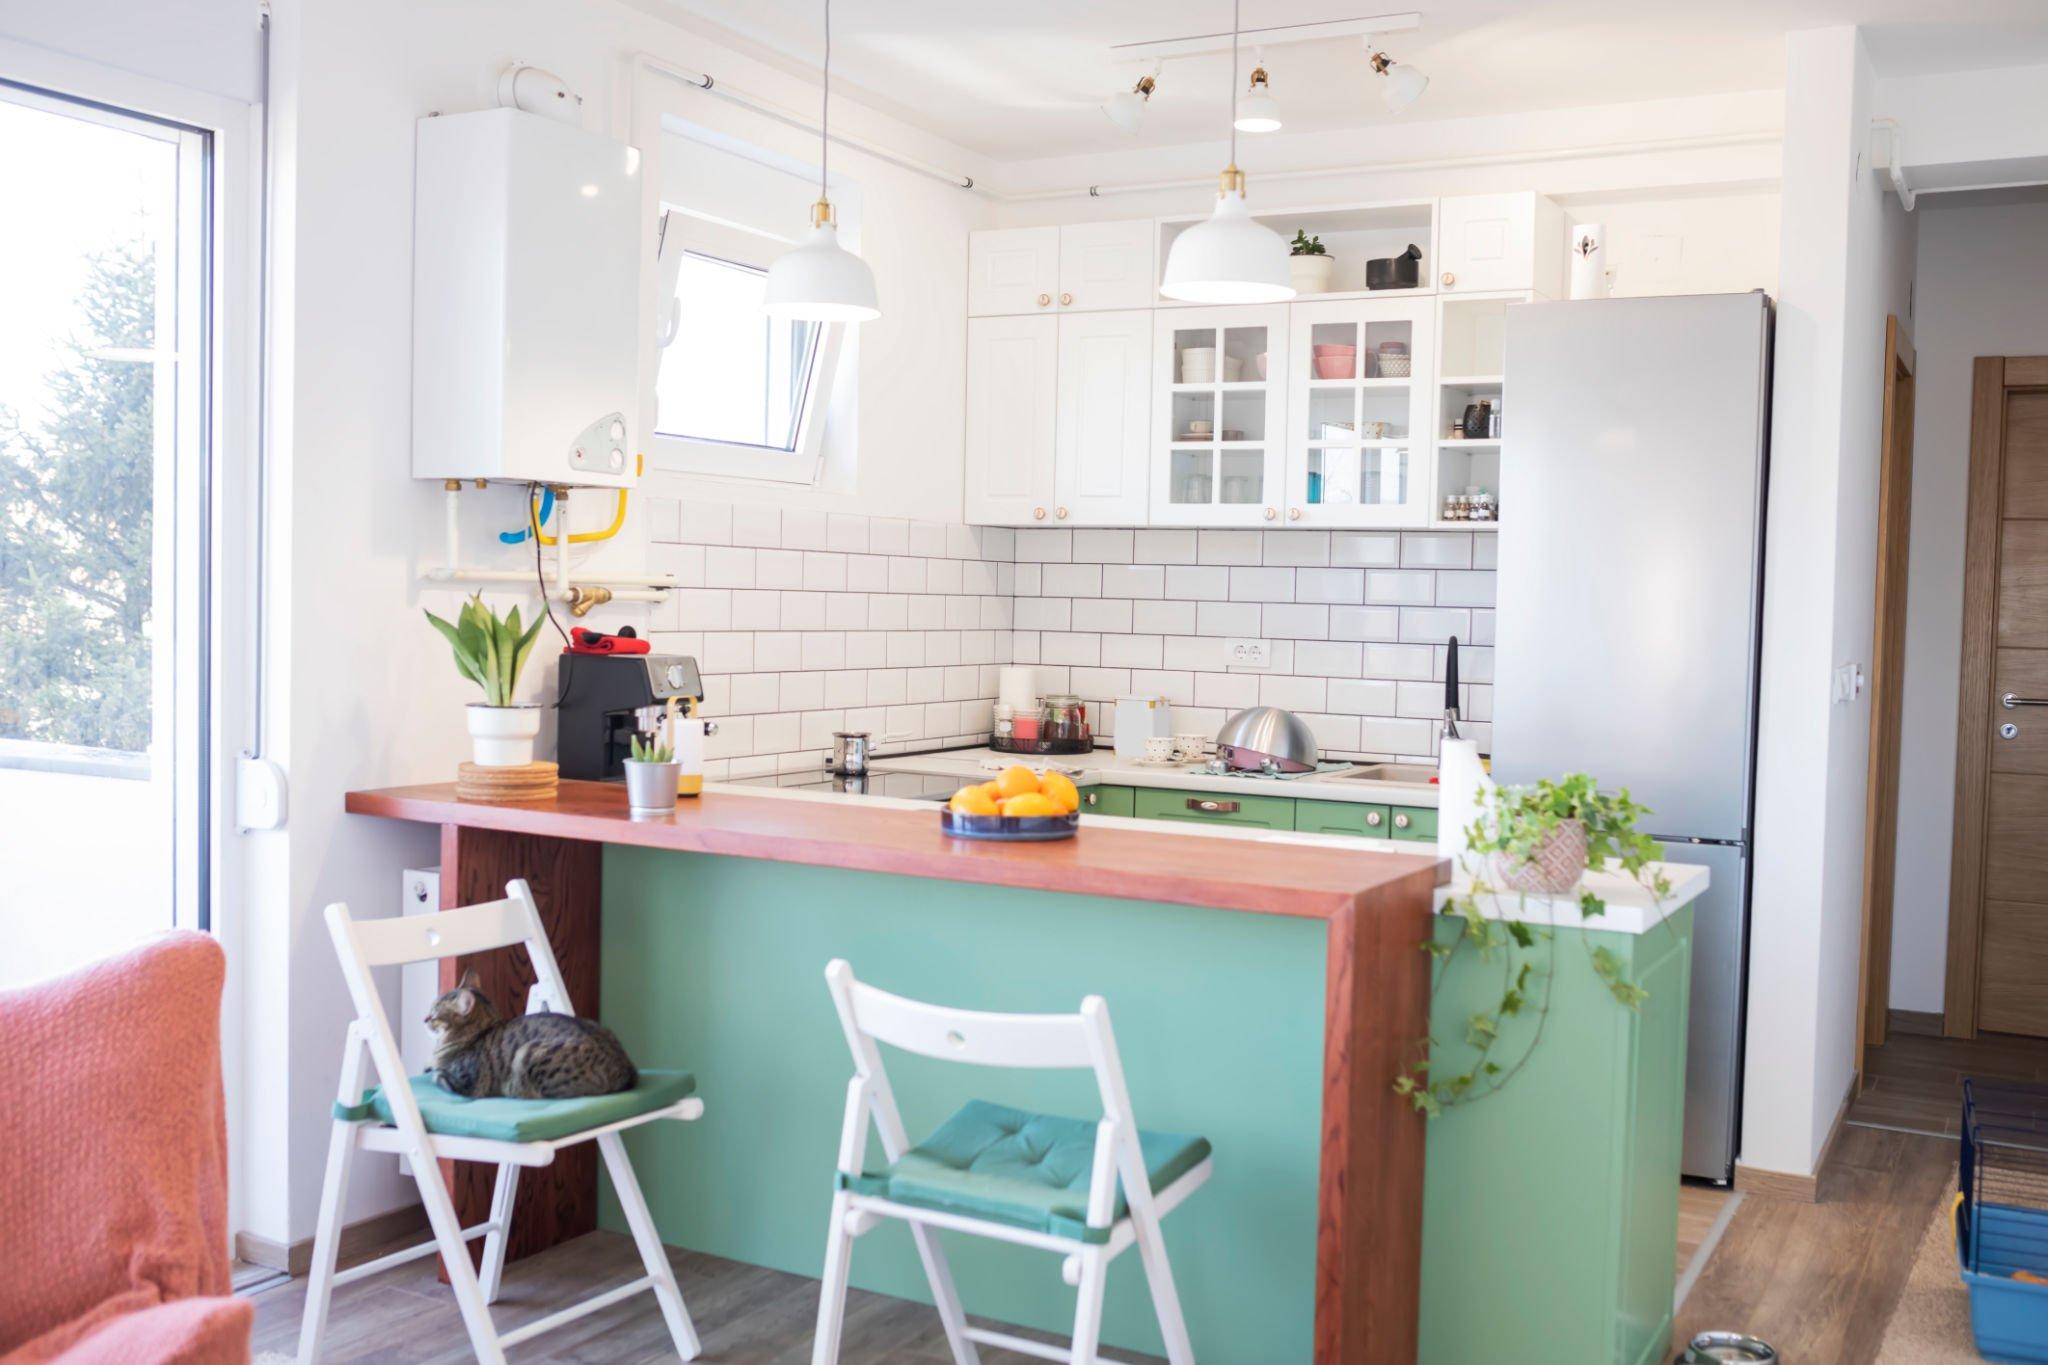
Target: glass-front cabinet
x=1219, y=415
x=1360, y=413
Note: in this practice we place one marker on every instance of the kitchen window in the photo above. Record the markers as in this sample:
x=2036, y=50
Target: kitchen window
x=736, y=393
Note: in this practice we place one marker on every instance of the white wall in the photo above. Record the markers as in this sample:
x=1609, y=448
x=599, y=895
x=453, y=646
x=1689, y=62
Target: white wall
x=364, y=693
x=209, y=45
x=1846, y=262
x=1971, y=129
x=1982, y=289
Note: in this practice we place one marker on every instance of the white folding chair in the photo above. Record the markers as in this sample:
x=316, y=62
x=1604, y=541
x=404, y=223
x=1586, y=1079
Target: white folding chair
x=929, y=1186
x=393, y=1122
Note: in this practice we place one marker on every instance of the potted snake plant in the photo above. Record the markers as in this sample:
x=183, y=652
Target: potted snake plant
x=490, y=651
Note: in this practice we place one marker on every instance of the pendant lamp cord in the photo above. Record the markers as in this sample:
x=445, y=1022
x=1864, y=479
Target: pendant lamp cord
x=1233, y=77
x=825, y=108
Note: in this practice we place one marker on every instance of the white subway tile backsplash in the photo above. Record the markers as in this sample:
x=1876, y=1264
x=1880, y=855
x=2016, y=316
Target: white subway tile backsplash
x=1400, y=587
x=1329, y=658
x=927, y=684
x=1044, y=613
x=728, y=652
x=1486, y=550
x=1227, y=618
x=866, y=648
x=1102, y=547
x=1228, y=547
x=1196, y=653
x=1482, y=628
x=1044, y=547
x=1231, y=691
x=1101, y=614
x=1339, y=733
x=726, y=566
x=1423, y=625
x=944, y=576
x=805, y=528
x=846, y=610
x=928, y=539
x=802, y=691
x=888, y=536
x=867, y=573
x=1295, y=692
x=1303, y=548
x=1164, y=547
x=998, y=543
x=1365, y=623
x=803, y=611
x=704, y=523
x=1056, y=647
x=1401, y=662
x=962, y=542
x=779, y=569
x=846, y=533
x=1464, y=588
x=703, y=608
x=685, y=562
x=1397, y=738
x=1163, y=618
x=1026, y=579
x=1363, y=696
x=1132, y=651
x=1295, y=621
x=887, y=611
x=823, y=571
x=906, y=574
x=888, y=686
x=1365, y=549
x=1198, y=583
x=1133, y=580
x=1436, y=549
x=906, y=648
x=777, y=651
x=1261, y=585
x=824, y=649
x=1344, y=586
x=1177, y=687
x=754, y=524
x=1072, y=580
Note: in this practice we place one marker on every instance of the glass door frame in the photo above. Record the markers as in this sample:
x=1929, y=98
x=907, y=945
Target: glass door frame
x=1419, y=314
x=1271, y=393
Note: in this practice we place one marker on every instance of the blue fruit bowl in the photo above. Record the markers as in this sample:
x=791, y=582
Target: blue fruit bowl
x=1015, y=829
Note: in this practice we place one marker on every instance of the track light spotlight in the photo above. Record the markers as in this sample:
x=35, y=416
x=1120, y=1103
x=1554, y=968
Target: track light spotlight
x=1258, y=111
x=1126, y=108
x=1404, y=84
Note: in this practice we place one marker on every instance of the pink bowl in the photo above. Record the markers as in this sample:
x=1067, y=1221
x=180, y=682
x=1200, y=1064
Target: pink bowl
x=1335, y=366
x=1334, y=349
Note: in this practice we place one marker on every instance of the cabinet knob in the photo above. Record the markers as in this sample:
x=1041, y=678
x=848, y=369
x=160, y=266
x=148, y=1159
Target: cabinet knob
x=1060, y=512
x=1449, y=278
x=1038, y=514
x=1270, y=514
x=1400, y=822
x=1066, y=298
x=1045, y=299
x=1294, y=514
x=1372, y=819
x=1090, y=799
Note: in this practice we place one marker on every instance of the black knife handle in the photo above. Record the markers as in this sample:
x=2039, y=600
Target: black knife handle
x=1451, y=676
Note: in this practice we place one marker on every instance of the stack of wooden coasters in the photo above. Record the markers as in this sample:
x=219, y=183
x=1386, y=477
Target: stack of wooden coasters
x=525, y=782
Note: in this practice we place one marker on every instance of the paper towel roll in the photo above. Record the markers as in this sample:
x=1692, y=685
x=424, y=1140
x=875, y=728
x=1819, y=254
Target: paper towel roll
x=1017, y=686
x=1461, y=787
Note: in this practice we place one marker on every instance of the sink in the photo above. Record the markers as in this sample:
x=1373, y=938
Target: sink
x=1418, y=773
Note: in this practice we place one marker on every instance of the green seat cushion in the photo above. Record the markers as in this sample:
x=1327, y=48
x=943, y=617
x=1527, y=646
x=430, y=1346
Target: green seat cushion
x=509, y=1120
x=1014, y=1167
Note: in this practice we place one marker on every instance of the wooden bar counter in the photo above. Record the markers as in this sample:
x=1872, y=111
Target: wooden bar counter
x=624, y=914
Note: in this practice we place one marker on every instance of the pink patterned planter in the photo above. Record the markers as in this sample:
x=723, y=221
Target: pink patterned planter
x=1552, y=869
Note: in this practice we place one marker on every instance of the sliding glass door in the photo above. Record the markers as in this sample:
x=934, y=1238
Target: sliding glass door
x=104, y=473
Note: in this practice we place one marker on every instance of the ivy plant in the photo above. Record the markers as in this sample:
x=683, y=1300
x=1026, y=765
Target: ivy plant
x=1512, y=824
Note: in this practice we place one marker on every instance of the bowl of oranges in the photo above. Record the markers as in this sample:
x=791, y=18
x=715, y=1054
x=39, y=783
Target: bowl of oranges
x=1018, y=805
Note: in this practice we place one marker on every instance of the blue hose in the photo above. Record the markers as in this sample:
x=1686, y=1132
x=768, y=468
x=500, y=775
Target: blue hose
x=547, y=507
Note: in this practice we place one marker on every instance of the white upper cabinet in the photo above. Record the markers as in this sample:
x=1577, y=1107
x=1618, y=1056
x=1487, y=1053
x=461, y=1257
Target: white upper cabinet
x=1360, y=421
x=1012, y=388
x=1105, y=408
x=1494, y=243
x=1083, y=267
x=1219, y=436
x=1108, y=265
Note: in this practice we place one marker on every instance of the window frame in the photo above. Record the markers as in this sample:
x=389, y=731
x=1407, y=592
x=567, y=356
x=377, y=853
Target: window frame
x=804, y=463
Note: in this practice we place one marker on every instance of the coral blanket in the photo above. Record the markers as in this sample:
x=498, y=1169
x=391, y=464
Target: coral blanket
x=113, y=1140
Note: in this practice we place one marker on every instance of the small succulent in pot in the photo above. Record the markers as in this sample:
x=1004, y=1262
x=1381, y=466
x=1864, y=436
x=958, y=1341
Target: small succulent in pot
x=652, y=770
x=1305, y=245
x=1309, y=263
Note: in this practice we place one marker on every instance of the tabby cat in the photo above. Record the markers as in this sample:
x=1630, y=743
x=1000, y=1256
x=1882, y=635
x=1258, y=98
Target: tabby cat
x=543, y=1056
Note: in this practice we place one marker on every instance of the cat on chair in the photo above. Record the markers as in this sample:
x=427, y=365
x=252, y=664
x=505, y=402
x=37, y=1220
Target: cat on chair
x=545, y=1056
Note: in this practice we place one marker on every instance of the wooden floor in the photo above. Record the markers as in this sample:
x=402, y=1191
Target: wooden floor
x=1915, y=1082
x=745, y=1315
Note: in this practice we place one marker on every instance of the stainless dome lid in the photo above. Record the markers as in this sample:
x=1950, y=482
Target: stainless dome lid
x=1250, y=738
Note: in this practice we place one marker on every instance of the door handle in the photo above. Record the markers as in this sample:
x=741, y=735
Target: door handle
x=2012, y=699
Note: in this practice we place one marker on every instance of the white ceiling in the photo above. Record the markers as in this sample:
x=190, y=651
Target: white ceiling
x=1023, y=81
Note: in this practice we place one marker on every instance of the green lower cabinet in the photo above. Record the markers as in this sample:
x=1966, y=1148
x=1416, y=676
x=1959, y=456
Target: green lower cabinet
x=1415, y=823
x=1550, y=1210
x=1108, y=801
x=1342, y=817
x=1261, y=812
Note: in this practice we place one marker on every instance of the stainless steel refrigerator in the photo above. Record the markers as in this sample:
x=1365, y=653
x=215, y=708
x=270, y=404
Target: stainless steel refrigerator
x=1630, y=602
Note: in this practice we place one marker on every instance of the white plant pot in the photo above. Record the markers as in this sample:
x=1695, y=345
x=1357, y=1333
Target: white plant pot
x=1311, y=273
x=502, y=736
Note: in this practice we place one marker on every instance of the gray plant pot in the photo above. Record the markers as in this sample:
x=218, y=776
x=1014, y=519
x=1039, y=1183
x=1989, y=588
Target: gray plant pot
x=651, y=787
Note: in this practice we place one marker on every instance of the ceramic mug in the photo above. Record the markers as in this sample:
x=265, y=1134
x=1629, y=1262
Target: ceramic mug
x=1159, y=748
x=1201, y=427
x=1191, y=747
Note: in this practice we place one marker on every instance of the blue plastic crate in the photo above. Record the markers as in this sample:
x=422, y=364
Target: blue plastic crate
x=2002, y=1219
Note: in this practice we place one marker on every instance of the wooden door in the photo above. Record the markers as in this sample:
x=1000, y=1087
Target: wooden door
x=1108, y=265
x=1887, y=683
x=1012, y=270
x=1100, y=467
x=1012, y=387
x=1998, y=902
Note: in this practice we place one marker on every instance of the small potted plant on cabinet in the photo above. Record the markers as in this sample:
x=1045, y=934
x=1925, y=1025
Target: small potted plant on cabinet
x=490, y=651
x=1310, y=262
x=651, y=774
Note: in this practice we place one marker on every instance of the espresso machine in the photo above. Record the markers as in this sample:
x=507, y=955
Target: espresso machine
x=607, y=699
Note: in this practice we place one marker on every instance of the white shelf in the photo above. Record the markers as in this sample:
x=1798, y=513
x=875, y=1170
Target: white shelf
x=1467, y=442
x=1375, y=382
x=1441, y=525
x=1337, y=294
x=1371, y=443
x=1228, y=386
x=1469, y=381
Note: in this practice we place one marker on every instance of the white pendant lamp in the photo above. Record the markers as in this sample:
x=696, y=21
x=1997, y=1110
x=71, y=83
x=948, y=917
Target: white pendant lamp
x=1258, y=111
x=1230, y=258
x=1404, y=83
x=820, y=280
x=1126, y=108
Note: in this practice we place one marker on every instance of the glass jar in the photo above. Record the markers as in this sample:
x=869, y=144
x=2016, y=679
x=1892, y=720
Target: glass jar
x=1027, y=724
x=1003, y=725
x=1066, y=719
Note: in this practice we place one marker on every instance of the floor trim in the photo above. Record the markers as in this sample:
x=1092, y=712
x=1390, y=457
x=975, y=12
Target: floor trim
x=1804, y=1189
x=1925, y=1023
x=297, y=1257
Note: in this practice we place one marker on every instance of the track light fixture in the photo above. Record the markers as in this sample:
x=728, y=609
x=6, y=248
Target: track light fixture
x=1404, y=84
x=1126, y=108
x=1258, y=111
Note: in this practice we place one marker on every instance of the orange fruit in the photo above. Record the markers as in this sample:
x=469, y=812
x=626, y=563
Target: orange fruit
x=1031, y=803
x=1059, y=788
x=973, y=801
x=1017, y=780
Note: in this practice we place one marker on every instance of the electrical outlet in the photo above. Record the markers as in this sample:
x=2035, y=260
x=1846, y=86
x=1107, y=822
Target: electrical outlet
x=1248, y=653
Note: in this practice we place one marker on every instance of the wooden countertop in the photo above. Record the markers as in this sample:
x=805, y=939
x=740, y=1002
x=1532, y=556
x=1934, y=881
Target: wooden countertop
x=1239, y=874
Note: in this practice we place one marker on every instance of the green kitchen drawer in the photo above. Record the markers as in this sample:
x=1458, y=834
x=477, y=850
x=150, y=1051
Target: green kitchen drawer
x=1343, y=817
x=1108, y=801
x=1261, y=812
x=1417, y=823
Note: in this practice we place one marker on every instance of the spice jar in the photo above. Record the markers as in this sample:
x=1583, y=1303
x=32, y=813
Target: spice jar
x=1066, y=720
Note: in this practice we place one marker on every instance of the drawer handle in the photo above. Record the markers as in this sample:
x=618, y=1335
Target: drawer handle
x=1270, y=514
x=1400, y=822
x=1213, y=807
x=1038, y=514
x=1372, y=819
x=1061, y=513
